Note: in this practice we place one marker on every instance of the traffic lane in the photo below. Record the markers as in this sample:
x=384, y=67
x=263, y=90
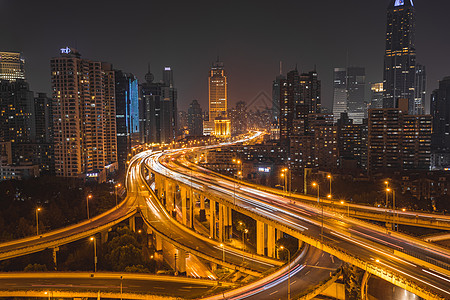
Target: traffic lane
x=316, y=267
x=438, y=289
x=425, y=279
x=108, y=217
x=115, y=214
x=160, y=221
x=158, y=287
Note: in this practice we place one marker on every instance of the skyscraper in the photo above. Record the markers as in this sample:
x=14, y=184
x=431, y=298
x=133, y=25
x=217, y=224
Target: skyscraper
x=16, y=110
x=339, y=92
x=349, y=89
x=218, y=95
x=401, y=79
x=158, y=109
x=195, y=119
x=11, y=66
x=310, y=92
x=276, y=96
x=398, y=141
x=84, y=115
x=127, y=114
x=440, y=110
x=376, y=99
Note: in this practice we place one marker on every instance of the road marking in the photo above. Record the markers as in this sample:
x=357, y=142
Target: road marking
x=273, y=293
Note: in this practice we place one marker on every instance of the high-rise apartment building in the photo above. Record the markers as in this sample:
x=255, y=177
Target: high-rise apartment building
x=440, y=110
x=398, y=141
x=195, y=119
x=84, y=115
x=352, y=143
x=12, y=66
x=16, y=111
x=127, y=114
x=401, y=75
x=276, y=96
x=300, y=96
x=158, y=109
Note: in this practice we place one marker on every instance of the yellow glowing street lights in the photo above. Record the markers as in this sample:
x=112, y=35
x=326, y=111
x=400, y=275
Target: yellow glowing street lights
x=315, y=184
x=289, y=270
x=394, y=214
x=37, y=220
x=116, y=187
x=348, y=208
x=89, y=197
x=330, y=177
x=285, y=175
x=95, y=253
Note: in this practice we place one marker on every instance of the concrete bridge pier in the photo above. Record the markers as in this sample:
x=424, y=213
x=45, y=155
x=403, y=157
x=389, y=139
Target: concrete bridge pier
x=221, y=223
x=184, y=199
x=260, y=237
x=158, y=242
x=228, y=223
x=271, y=239
x=104, y=236
x=55, y=261
x=202, y=214
x=181, y=263
x=212, y=219
x=132, y=223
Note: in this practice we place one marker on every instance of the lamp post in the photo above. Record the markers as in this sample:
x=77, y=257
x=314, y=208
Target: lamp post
x=289, y=270
x=95, y=253
x=315, y=184
x=330, y=177
x=348, y=208
x=116, y=187
x=87, y=204
x=37, y=220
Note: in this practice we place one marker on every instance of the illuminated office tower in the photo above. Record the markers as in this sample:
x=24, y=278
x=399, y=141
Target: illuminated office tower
x=376, y=100
x=440, y=110
x=158, y=108
x=401, y=76
x=217, y=91
x=84, y=113
x=339, y=92
x=349, y=88
x=11, y=66
x=127, y=114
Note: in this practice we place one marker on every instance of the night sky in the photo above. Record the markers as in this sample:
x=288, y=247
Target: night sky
x=251, y=38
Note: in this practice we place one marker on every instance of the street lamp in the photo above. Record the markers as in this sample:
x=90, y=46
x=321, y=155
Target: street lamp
x=37, y=220
x=289, y=270
x=95, y=253
x=116, y=187
x=315, y=184
x=394, y=215
x=330, y=177
x=223, y=252
x=348, y=208
x=87, y=204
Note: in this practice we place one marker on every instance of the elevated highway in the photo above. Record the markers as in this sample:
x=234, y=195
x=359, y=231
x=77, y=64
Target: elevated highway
x=420, y=268
x=106, y=285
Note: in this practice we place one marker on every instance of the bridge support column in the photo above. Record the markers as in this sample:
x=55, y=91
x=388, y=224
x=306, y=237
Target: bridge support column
x=158, y=243
x=221, y=222
x=191, y=208
x=364, y=285
x=228, y=223
x=184, y=206
x=104, y=236
x=271, y=241
x=202, y=215
x=280, y=234
x=132, y=223
x=55, y=262
x=260, y=237
x=158, y=185
x=181, y=263
x=212, y=219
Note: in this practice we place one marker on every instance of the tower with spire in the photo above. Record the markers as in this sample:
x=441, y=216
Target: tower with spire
x=403, y=77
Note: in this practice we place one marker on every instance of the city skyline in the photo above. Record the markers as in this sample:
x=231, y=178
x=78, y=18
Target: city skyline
x=257, y=42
